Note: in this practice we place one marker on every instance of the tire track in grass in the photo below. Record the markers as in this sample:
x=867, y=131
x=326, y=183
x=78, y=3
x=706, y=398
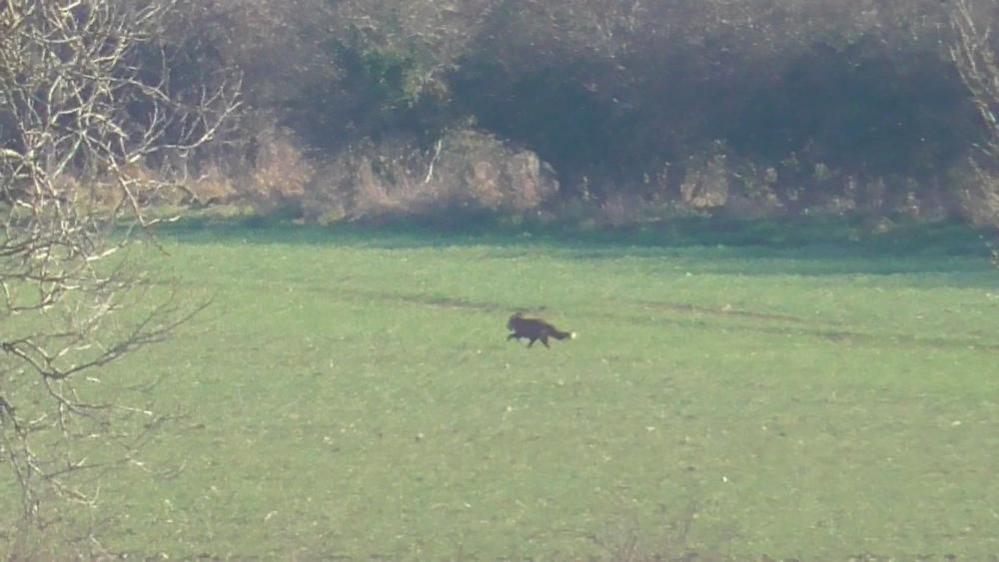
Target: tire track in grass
x=677, y=314
x=732, y=319
x=724, y=312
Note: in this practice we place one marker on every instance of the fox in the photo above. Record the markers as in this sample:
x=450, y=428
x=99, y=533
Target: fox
x=534, y=329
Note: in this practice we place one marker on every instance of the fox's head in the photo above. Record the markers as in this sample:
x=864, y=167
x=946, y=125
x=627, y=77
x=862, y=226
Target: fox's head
x=516, y=315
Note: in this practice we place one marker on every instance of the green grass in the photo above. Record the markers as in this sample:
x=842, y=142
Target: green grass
x=351, y=393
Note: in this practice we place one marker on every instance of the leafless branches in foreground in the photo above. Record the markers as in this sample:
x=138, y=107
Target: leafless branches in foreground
x=88, y=107
x=974, y=54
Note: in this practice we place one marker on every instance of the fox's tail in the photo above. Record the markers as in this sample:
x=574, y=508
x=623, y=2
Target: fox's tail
x=563, y=335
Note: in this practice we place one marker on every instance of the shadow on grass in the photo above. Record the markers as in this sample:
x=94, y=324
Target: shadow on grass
x=816, y=246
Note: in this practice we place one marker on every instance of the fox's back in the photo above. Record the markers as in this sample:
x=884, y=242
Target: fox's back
x=535, y=328
x=529, y=327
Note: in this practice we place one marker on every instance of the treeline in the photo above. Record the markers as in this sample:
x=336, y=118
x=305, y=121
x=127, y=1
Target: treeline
x=620, y=111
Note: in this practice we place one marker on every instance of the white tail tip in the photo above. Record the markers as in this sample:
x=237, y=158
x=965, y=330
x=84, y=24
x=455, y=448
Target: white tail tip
x=572, y=336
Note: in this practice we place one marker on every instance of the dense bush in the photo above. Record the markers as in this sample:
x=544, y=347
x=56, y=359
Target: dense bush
x=745, y=106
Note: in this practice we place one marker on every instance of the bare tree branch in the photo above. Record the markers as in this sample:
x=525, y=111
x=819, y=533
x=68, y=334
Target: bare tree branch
x=973, y=51
x=88, y=107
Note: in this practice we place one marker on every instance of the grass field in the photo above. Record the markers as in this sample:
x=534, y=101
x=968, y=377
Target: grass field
x=351, y=393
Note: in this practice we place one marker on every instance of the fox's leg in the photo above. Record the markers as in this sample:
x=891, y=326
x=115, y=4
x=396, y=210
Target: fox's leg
x=544, y=340
x=531, y=342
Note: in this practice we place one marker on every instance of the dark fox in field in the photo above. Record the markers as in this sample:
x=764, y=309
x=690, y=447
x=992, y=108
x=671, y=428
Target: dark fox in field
x=534, y=329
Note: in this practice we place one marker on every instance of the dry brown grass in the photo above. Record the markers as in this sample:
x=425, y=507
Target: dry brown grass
x=213, y=185
x=280, y=173
x=466, y=169
x=979, y=195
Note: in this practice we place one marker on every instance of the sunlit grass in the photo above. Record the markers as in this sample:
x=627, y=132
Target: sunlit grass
x=352, y=393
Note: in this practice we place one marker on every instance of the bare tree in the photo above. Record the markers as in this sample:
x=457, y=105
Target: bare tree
x=88, y=108
x=975, y=56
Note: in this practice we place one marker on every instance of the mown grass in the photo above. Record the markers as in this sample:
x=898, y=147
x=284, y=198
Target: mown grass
x=351, y=393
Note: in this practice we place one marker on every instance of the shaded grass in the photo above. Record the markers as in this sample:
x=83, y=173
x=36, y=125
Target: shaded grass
x=351, y=393
x=458, y=228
